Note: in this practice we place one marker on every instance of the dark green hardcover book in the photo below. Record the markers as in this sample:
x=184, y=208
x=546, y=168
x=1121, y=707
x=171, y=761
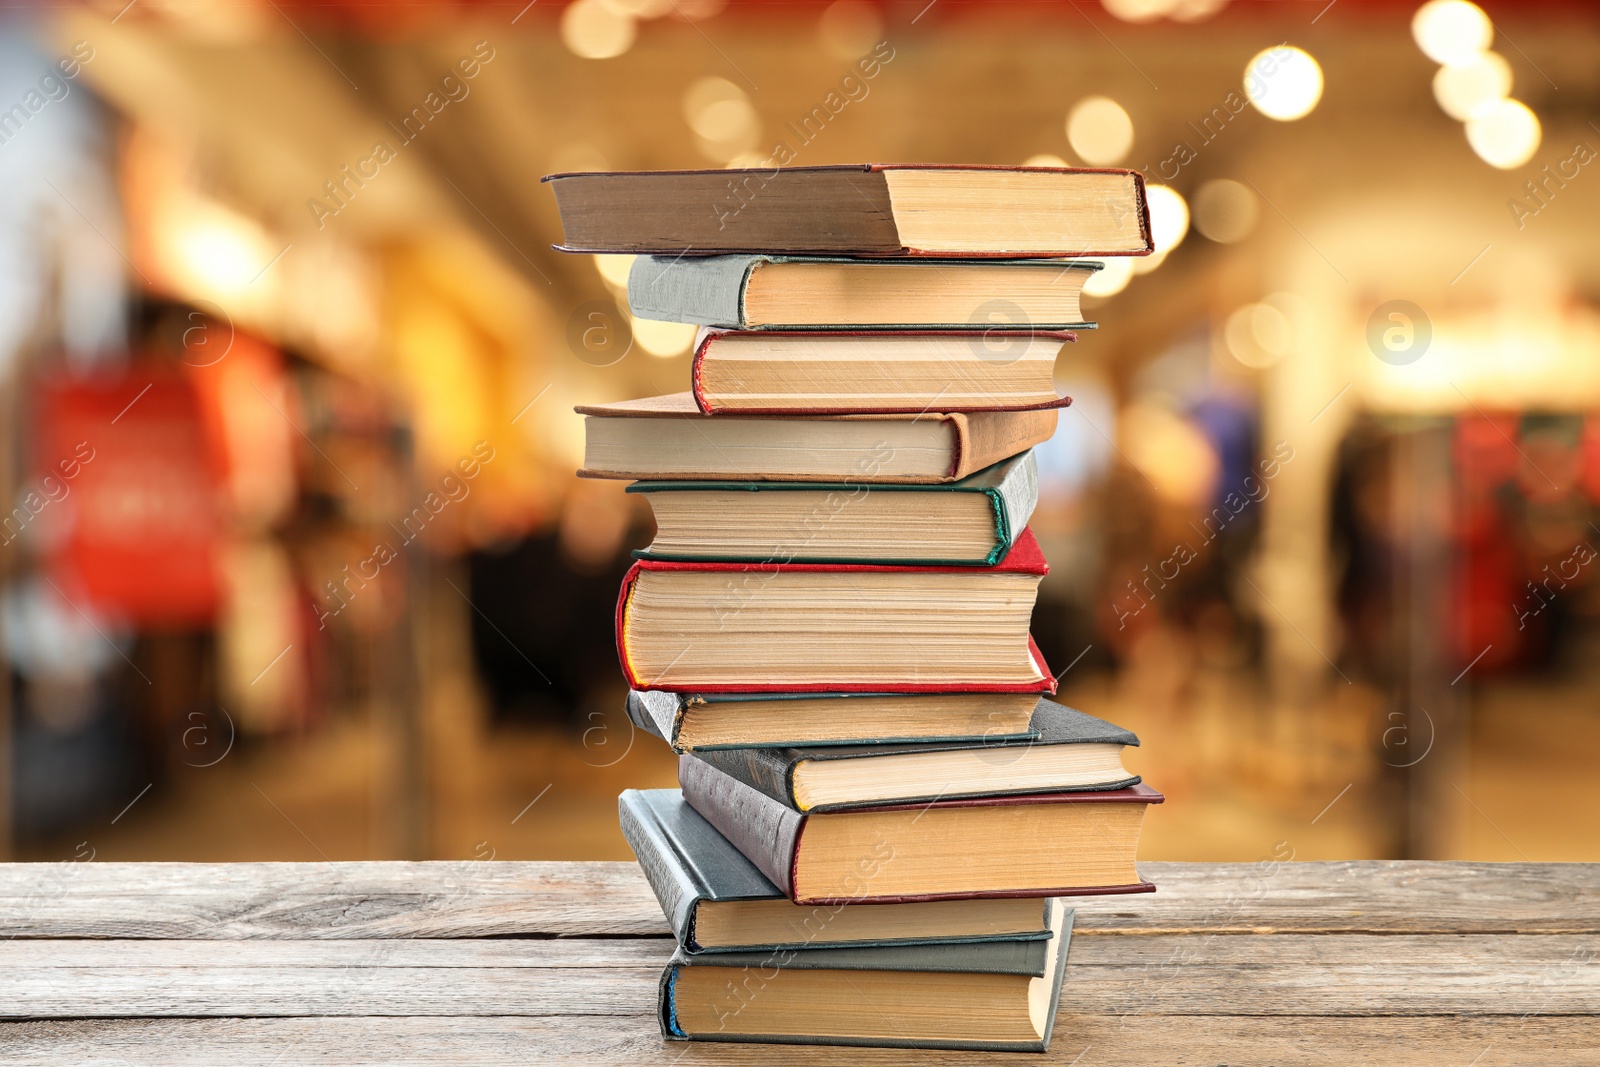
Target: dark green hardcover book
x=692, y=722
x=845, y=522
x=989, y=997
x=1070, y=751
x=718, y=902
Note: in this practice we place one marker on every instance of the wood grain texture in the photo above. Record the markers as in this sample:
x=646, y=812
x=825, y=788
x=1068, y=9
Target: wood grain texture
x=503, y=899
x=1080, y=1041
x=1160, y=974
x=531, y=963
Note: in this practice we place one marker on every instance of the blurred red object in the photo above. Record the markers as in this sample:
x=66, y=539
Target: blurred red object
x=137, y=496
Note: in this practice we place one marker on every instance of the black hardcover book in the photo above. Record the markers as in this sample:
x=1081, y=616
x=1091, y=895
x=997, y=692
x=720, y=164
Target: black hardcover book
x=1070, y=751
x=719, y=902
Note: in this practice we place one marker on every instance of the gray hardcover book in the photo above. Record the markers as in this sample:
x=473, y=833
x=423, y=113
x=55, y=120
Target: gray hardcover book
x=710, y=291
x=772, y=771
x=755, y=975
x=689, y=865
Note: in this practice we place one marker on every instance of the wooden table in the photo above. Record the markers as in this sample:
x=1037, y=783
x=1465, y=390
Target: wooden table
x=1468, y=964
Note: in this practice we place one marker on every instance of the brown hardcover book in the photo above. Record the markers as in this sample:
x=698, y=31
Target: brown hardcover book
x=1053, y=844
x=773, y=373
x=669, y=437
x=865, y=209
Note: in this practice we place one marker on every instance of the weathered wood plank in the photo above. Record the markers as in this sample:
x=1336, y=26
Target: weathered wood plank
x=1162, y=974
x=496, y=899
x=1081, y=1040
x=325, y=900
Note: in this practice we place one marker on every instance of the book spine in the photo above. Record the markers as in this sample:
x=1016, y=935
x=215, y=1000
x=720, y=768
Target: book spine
x=624, y=603
x=1015, y=498
x=769, y=771
x=640, y=716
x=675, y=890
x=707, y=290
x=696, y=386
x=667, y=1008
x=764, y=831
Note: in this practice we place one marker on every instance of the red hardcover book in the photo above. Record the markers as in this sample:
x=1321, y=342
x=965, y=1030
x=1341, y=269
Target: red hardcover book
x=1044, y=845
x=847, y=372
x=780, y=627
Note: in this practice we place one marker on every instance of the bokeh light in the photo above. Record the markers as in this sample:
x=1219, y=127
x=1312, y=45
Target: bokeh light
x=1451, y=31
x=724, y=121
x=663, y=338
x=1225, y=211
x=1283, y=82
x=1169, y=224
x=1111, y=279
x=1100, y=131
x=593, y=29
x=1505, y=134
x=1467, y=88
x=849, y=28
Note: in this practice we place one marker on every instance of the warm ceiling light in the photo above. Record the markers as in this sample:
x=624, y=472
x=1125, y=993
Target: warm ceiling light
x=1505, y=134
x=663, y=338
x=1139, y=10
x=1100, y=131
x=1284, y=82
x=722, y=117
x=1225, y=211
x=614, y=269
x=1169, y=216
x=1044, y=159
x=1464, y=89
x=849, y=28
x=1451, y=31
x=1111, y=279
x=1169, y=222
x=593, y=30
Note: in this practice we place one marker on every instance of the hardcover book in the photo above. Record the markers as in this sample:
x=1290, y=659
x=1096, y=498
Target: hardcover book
x=1069, y=751
x=717, y=901
x=761, y=292
x=775, y=372
x=809, y=627
x=701, y=721
x=994, y=997
x=669, y=437
x=972, y=522
x=862, y=210
x=1051, y=844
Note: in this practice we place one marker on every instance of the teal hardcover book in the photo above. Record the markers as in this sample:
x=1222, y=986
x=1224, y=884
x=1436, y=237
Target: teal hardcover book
x=971, y=522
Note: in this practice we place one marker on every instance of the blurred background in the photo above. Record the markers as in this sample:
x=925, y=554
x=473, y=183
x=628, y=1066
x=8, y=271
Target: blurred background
x=295, y=565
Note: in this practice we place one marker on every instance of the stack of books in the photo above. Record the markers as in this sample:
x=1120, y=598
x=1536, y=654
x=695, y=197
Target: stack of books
x=882, y=816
